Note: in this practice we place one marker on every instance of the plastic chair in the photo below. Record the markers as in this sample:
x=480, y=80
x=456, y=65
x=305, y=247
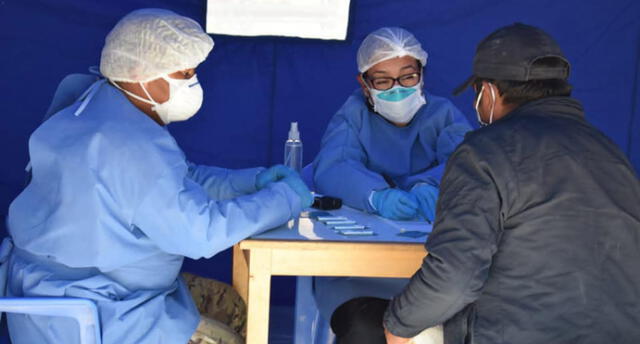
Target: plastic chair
x=310, y=326
x=83, y=311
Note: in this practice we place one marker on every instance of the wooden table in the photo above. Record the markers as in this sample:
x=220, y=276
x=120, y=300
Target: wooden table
x=294, y=251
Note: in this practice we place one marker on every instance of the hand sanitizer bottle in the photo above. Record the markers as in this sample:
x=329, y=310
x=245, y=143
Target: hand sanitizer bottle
x=293, y=149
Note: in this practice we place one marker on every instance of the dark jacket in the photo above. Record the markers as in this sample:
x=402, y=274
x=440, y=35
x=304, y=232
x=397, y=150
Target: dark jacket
x=536, y=240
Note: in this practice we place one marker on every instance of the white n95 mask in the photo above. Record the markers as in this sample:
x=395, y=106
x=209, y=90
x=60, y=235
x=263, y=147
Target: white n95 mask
x=185, y=99
x=398, y=104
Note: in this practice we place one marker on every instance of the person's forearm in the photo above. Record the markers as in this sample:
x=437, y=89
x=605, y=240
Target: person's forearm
x=222, y=183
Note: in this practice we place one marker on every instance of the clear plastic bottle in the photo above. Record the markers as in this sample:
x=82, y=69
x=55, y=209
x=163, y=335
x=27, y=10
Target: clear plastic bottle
x=293, y=149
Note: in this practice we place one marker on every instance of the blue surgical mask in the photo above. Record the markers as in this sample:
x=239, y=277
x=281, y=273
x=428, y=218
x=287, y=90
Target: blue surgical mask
x=396, y=94
x=398, y=104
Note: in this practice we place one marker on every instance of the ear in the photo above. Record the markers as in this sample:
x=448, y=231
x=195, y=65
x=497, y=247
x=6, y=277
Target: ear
x=486, y=88
x=491, y=86
x=501, y=108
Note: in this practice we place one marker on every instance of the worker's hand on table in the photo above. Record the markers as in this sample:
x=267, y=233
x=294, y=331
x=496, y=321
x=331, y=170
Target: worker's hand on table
x=393, y=339
x=427, y=195
x=299, y=187
x=273, y=174
x=395, y=204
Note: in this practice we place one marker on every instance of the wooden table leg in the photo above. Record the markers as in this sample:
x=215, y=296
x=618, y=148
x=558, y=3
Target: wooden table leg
x=259, y=293
x=241, y=272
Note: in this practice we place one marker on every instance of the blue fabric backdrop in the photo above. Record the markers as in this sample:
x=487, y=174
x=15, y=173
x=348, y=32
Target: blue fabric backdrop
x=255, y=86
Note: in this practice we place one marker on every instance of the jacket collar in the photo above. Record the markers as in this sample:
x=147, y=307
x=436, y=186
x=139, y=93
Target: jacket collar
x=558, y=106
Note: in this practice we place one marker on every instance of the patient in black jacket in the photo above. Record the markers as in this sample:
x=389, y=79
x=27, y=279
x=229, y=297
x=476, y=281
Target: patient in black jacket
x=537, y=232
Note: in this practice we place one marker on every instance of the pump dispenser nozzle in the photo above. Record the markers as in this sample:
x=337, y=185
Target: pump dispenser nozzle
x=294, y=134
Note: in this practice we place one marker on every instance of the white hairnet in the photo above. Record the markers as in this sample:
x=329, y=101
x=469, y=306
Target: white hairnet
x=148, y=43
x=387, y=43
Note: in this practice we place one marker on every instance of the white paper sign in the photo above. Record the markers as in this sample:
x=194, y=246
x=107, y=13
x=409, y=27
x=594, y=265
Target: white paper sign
x=322, y=19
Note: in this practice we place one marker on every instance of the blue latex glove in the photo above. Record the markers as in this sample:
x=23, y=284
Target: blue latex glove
x=296, y=184
x=395, y=204
x=427, y=196
x=273, y=174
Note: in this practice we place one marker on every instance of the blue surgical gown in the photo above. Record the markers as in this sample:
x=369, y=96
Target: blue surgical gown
x=112, y=209
x=362, y=152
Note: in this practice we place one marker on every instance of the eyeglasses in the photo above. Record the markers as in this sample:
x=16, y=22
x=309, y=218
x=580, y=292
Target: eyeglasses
x=386, y=83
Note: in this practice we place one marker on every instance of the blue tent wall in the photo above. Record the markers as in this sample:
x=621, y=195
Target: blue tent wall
x=255, y=86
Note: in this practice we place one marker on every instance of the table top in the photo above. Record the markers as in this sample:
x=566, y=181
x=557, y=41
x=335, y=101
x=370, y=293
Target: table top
x=386, y=231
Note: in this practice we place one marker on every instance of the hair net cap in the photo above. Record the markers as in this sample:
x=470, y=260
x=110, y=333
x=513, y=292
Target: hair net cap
x=387, y=43
x=146, y=44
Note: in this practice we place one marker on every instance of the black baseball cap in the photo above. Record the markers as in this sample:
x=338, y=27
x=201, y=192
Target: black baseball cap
x=509, y=53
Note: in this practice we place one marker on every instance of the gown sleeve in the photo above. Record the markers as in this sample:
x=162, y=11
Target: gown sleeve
x=222, y=183
x=179, y=217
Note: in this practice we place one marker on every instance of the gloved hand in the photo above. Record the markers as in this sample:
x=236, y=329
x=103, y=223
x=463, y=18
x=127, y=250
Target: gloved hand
x=427, y=196
x=296, y=184
x=273, y=174
x=395, y=204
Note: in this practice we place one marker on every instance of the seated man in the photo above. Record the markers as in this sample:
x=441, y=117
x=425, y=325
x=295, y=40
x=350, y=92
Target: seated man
x=384, y=151
x=113, y=206
x=537, y=238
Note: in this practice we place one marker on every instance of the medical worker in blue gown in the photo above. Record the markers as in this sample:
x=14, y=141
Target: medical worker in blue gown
x=385, y=150
x=113, y=206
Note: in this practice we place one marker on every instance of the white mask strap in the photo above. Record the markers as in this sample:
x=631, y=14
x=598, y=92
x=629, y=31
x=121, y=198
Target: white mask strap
x=148, y=95
x=135, y=95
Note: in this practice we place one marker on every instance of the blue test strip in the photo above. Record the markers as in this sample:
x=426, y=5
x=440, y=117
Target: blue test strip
x=349, y=227
x=331, y=218
x=356, y=232
x=341, y=222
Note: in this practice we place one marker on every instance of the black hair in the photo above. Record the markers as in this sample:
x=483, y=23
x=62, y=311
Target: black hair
x=520, y=92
